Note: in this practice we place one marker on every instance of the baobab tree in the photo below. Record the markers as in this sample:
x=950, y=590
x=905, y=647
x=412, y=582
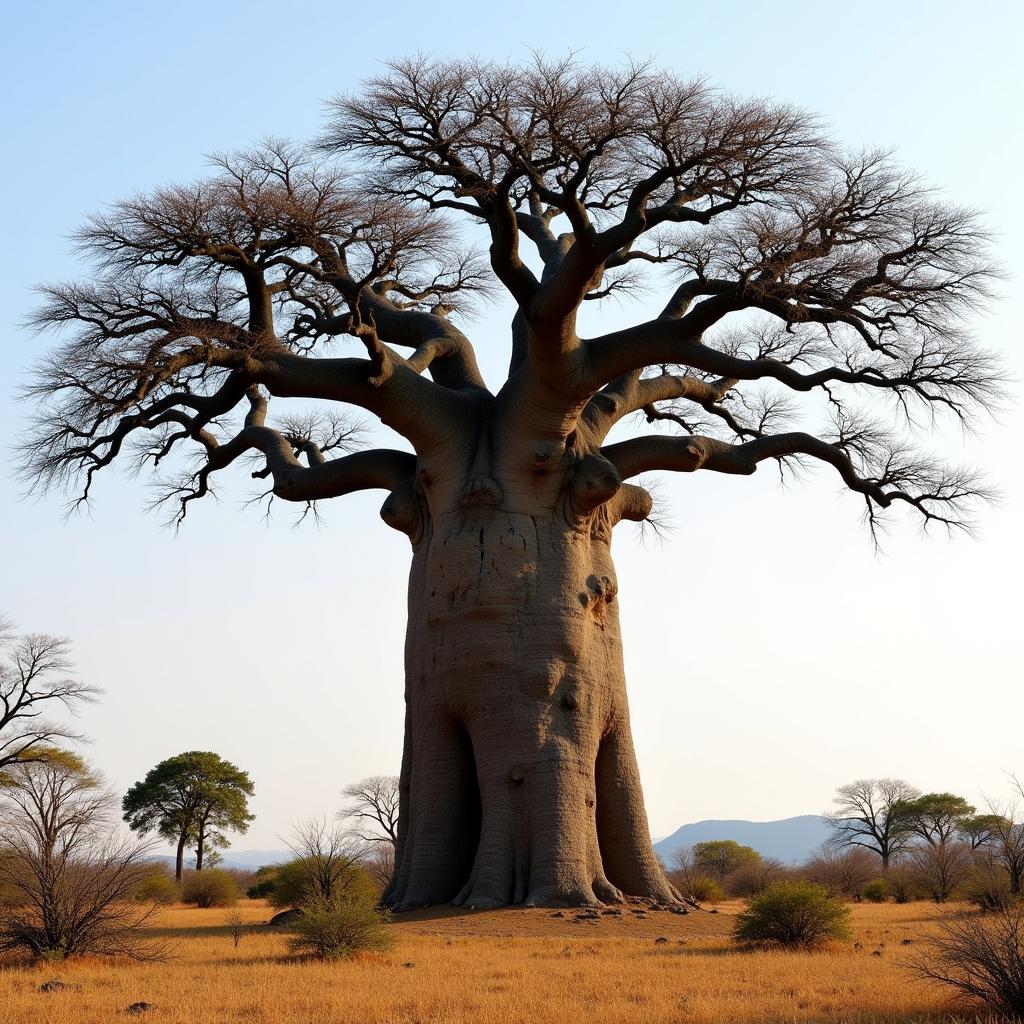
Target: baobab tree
x=799, y=281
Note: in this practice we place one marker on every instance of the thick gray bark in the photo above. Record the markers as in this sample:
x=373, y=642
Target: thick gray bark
x=519, y=782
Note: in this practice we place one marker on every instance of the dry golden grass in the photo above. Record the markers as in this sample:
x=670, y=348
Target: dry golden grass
x=503, y=966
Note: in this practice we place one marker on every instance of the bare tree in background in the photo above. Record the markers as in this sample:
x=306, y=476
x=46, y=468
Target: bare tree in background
x=70, y=879
x=998, y=835
x=36, y=681
x=803, y=284
x=373, y=805
x=379, y=862
x=870, y=814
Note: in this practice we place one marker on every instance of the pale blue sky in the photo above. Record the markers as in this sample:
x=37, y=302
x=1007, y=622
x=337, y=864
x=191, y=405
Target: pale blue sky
x=813, y=660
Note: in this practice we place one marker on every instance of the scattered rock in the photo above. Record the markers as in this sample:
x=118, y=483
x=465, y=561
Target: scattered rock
x=54, y=985
x=857, y=945
x=660, y=940
x=678, y=910
x=286, y=917
x=877, y=952
x=587, y=915
x=713, y=910
x=139, y=1008
x=558, y=913
x=612, y=912
x=907, y=942
x=408, y=963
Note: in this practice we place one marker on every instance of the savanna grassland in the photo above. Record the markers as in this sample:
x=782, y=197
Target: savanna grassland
x=516, y=965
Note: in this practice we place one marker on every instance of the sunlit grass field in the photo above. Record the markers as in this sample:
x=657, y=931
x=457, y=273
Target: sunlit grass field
x=514, y=965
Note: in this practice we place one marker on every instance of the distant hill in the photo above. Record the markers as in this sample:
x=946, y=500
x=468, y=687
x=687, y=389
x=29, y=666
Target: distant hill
x=248, y=859
x=791, y=839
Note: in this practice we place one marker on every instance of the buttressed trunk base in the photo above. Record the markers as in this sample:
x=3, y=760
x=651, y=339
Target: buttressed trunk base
x=519, y=782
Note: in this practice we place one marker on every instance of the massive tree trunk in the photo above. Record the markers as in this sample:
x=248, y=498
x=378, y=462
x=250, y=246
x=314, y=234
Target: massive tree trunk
x=519, y=782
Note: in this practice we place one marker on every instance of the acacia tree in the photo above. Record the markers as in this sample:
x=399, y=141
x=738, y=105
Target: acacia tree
x=793, y=271
x=190, y=798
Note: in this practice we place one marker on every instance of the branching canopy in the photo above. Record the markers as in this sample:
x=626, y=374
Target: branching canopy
x=36, y=680
x=791, y=269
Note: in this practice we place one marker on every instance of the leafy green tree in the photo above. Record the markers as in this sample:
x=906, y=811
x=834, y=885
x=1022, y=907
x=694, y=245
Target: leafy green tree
x=936, y=818
x=194, y=797
x=936, y=821
x=720, y=857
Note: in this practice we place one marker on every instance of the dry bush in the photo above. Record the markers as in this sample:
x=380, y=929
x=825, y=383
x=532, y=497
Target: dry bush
x=68, y=878
x=987, y=886
x=379, y=863
x=211, y=888
x=902, y=880
x=941, y=869
x=842, y=872
x=236, y=926
x=327, y=866
x=340, y=927
x=755, y=877
x=157, y=885
x=980, y=957
x=692, y=882
x=793, y=914
x=876, y=891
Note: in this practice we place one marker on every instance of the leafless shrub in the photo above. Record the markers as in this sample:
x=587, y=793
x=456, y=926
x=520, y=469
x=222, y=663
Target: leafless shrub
x=940, y=870
x=379, y=862
x=843, y=872
x=236, y=926
x=980, y=957
x=327, y=862
x=691, y=880
x=753, y=878
x=71, y=879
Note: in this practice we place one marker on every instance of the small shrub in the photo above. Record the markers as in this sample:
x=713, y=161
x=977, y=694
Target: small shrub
x=333, y=929
x=875, y=891
x=263, y=886
x=213, y=888
x=793, y=914
x=980, y=957
x=988, y=888
x=156, y=886
x=236, y=926
x=298, y=881
x=702, y=889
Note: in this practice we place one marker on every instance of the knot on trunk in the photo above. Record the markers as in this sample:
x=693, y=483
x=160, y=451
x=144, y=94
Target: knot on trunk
x=401, y=511
x=596, y=481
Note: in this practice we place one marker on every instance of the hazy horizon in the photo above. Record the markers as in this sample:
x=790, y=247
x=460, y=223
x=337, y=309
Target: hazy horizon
x=280, y=648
